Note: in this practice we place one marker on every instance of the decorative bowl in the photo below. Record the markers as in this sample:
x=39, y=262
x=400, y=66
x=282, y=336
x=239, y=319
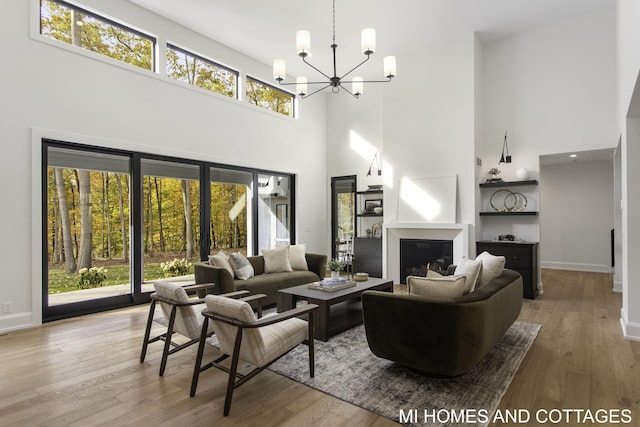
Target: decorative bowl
x=377, y=210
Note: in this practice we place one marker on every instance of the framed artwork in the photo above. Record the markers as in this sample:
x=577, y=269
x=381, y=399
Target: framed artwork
x=371, y=204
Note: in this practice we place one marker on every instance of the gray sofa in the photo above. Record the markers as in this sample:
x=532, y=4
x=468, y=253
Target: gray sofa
x=261, y=283
x=442, y=337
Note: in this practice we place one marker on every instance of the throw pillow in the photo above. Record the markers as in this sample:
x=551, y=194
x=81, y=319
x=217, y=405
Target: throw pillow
x=276, y=260
x=221, y=260
x=472, y=270
x=492, y=266
x=442, y=287
x=241, y=266
x=297, y=258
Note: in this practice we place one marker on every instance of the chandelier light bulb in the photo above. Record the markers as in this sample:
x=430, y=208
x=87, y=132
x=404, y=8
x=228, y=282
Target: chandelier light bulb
x=357, y=85
x=389, y=66
x=368, y=41
x=301, y=85
x=303, y=42
x=279, y=69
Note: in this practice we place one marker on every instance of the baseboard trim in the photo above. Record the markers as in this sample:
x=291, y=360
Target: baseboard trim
x=630, y=330
x=574, y=266
x=13, y=322
x=617, y=286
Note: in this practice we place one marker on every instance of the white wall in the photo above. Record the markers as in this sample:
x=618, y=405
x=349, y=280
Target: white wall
x=429, y=122
x=48, y=87
x=553, y=90
x=577, y=218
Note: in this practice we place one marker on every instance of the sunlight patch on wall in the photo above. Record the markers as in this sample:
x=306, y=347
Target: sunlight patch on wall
x=422, y=203
x=427, y=199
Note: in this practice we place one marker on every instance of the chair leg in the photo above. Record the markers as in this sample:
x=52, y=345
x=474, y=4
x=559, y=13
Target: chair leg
x=312, y=365
x=197, y=367
x=167, y=340
x=232, y=372
x=147, y=331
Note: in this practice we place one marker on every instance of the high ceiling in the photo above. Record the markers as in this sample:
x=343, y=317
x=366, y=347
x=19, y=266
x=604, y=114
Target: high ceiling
x=266, y=30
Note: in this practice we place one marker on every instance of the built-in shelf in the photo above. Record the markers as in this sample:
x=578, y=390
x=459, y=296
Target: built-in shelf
x=508, y=183
x=368, y=214
x=523, y=213
x=370, y=192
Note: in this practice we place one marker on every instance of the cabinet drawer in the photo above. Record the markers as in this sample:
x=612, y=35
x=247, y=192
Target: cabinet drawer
x=367, y=247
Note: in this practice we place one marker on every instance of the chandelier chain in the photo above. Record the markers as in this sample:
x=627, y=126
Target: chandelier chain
x=334, y=21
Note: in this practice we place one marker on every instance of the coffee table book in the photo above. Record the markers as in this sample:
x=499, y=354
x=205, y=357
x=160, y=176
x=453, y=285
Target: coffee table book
x=329, y=285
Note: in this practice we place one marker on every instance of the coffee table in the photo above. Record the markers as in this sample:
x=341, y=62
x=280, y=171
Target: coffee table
x=337, y=311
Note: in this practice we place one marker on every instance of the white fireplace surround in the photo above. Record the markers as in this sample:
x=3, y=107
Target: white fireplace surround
x=393, y=232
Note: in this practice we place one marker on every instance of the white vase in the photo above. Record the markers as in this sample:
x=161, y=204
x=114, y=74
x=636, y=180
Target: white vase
x=522, y=174
x=335, y=275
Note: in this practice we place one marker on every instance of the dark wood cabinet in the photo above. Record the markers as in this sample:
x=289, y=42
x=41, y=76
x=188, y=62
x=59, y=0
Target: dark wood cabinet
x=521, y=257
x=367, y=256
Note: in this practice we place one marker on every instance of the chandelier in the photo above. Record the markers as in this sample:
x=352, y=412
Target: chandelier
x=303, y=45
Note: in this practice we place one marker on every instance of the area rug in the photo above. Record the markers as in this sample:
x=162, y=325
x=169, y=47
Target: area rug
x=346, y=369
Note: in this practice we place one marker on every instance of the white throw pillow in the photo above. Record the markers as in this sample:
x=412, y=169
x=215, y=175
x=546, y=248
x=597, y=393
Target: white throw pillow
x=241, y=266
x=297, y=258
x=472, y=270
x=221, y=260
x=492, y=267
x=276, y=260
x=443, y=286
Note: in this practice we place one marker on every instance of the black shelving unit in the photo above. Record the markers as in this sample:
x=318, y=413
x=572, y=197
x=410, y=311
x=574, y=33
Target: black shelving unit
x=508, y=183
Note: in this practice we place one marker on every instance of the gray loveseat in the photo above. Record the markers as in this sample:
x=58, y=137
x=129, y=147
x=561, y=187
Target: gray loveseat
x=442, y=337
x=261, y=283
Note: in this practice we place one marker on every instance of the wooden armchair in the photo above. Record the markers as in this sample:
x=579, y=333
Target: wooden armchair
x=259, y=341
x=181, y=314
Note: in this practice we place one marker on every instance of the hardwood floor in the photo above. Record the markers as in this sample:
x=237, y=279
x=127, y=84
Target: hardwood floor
x=85, y=371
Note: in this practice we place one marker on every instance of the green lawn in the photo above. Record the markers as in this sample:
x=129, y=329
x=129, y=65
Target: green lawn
x=59, y=281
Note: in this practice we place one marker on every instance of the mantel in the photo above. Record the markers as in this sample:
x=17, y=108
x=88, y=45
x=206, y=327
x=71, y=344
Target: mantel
x=426, y=225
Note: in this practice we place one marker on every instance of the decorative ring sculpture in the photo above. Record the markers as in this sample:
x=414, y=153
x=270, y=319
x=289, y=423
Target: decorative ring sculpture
x=512, y=201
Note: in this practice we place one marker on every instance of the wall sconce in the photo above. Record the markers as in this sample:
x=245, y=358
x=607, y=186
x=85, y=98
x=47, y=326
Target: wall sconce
x=375, y=159
x=505, y=148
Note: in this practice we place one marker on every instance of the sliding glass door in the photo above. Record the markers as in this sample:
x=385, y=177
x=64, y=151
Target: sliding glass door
x=115, y=221
x=87, y=222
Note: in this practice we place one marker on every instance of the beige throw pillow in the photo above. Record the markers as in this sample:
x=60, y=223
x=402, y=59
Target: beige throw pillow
x=297, y=257
x=472, y=270
x=221, y=260
x=276, y=260
x=241, y=266
x=492, y=267
x=442, y=287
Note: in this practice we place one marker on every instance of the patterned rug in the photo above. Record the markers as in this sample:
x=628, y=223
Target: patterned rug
x=346, y=369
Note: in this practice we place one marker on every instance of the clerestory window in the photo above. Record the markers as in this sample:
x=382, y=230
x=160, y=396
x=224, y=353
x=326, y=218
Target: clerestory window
x=70, y=24
x=266, y=96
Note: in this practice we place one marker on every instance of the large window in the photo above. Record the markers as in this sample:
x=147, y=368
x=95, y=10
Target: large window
x=70, y=24
x=113, y=221
x=269, y=97
x=195, y=70
x=171, y=206
x=88, y=226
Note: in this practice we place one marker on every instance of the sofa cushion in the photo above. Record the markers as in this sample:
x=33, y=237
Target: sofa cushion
x=276, y=260
x=442, y=287
x=492, y=267
x=221, y=260
x=296, y=257
x=472, y=270
x=241, y=266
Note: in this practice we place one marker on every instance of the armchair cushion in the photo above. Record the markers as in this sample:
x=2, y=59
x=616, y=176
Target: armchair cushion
x=188, y=321
x=259, y=346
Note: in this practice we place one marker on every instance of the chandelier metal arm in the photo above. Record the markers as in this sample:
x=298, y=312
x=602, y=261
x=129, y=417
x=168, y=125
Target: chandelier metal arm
x=354, y=68
x=315, y=91
x=312, y=66
x=349, y=92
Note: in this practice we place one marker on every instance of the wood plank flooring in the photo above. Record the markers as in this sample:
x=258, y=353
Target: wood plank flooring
x=85, y=371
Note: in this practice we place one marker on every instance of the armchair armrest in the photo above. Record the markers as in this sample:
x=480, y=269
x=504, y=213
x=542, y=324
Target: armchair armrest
x=269, y=320
x=198, y=287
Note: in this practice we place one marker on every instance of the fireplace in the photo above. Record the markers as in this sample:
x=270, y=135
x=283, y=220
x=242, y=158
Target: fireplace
x=418, y=255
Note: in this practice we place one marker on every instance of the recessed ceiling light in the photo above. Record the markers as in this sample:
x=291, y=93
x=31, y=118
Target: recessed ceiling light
x=573, y=156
